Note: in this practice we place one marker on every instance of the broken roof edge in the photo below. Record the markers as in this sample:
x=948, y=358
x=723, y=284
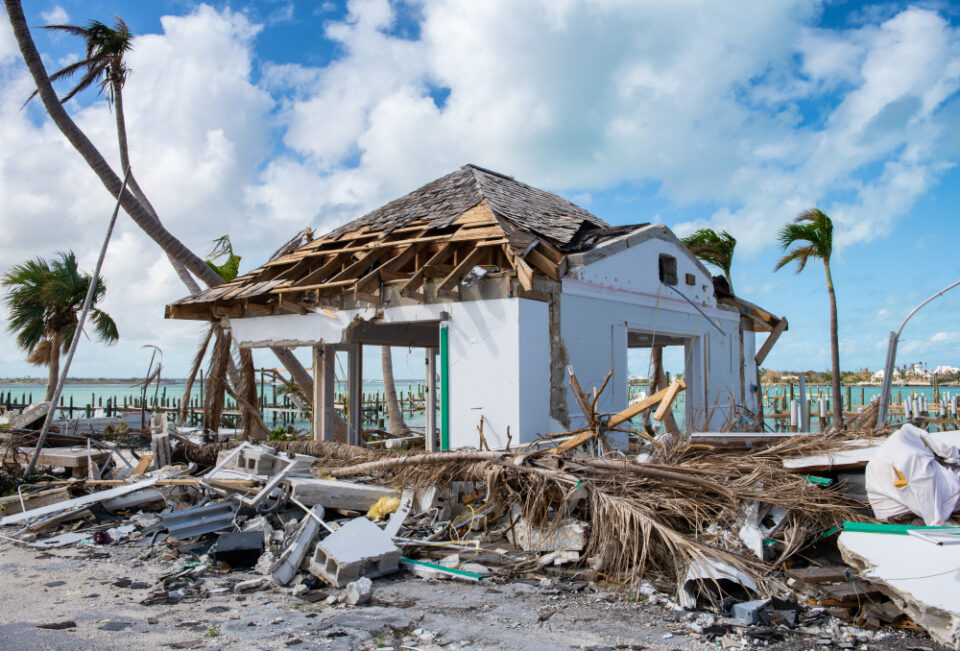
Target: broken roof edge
x=637, y=236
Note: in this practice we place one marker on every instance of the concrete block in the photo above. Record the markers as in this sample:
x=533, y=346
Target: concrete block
x=570, y=535
x=751, y=612
x=357, y=549
x=357, y=592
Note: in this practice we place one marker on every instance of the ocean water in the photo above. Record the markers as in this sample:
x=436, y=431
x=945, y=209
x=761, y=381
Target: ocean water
x=98, y=395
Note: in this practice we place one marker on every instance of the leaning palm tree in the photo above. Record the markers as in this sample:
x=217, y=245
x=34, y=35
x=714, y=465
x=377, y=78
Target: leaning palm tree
x=137, y=207
x=44, y=299
x=811, y=235
x=713, y=248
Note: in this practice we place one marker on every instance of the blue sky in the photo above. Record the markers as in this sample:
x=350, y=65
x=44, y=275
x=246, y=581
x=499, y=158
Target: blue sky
x=259, y=118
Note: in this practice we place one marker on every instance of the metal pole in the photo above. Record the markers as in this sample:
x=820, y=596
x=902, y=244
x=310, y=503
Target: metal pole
x=444, y=387
x=892, y=356
x=87, y=301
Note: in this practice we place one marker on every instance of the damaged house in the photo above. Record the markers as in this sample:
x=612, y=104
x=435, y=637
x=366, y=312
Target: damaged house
x=503, y=286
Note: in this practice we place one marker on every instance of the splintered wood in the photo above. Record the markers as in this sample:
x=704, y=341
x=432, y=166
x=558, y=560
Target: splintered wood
x=596, y=426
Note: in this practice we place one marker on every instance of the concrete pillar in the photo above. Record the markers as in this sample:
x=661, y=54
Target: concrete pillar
x=323, y=385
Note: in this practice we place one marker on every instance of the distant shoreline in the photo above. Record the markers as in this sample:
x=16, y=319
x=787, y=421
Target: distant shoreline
x=32, y=382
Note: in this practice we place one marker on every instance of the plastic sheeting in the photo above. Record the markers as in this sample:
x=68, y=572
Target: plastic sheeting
x=906, y=476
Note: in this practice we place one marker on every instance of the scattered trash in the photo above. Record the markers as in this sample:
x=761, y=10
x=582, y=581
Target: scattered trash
x=723, y=516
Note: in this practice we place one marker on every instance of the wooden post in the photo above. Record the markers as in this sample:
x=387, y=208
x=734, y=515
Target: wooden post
x=323, y=386
x=354, y=389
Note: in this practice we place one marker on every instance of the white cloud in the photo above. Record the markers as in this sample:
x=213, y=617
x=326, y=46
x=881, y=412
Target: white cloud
x=55, y=16
x=710, y=102
x=198, y=128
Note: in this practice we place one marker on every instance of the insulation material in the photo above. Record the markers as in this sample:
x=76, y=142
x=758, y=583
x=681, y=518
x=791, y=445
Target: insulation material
x=905, y=476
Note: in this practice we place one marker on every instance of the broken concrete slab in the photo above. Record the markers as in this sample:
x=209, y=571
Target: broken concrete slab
x=358, y=548
x=338, y=494
x=100, y=496
x=570, y=535
x=30, y=415
x=292, y=558
x=922, y=578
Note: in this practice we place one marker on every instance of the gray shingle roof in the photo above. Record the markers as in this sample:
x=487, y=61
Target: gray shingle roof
x=442, y=201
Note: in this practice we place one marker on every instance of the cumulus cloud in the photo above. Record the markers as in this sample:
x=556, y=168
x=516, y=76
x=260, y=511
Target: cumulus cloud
x=56, y=15
x=743, y=110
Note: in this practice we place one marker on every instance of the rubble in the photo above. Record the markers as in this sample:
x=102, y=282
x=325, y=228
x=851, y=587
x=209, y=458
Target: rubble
x=716, y=530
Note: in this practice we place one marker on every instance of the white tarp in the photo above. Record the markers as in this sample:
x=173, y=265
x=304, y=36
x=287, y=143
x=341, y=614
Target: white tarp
x=905, y=475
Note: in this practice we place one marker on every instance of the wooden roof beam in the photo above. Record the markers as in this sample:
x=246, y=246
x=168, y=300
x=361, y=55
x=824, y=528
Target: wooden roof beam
x=453, y=278
x=409, y=288
x=332, y=265
x=524, y=272
x=372, y=279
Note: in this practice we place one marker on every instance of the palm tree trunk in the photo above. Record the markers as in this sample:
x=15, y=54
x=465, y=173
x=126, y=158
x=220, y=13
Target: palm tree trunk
x=834, y=351
x=53, y=366
x=181, y=270
x=659, y=381
x=170, y=245
x=394, y=412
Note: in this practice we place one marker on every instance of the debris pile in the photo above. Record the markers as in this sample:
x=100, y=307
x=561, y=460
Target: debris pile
x=713, y=522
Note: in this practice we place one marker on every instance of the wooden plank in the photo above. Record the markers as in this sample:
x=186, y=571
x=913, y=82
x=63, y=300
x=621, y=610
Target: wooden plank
x=479, y=214
x=524, y=272
x=323, y=272
x=412, y=285
x=642, y=405
x=543, y=263
x=667, y=401
x=461, y=269
x=143, y=465
x=227, y=310
x=577, y=440
x=771, y=340
x=815, y=575
x=290, y=306
x=372, y=279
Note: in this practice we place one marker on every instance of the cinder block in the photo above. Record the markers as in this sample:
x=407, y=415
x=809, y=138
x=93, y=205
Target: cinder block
x=357, y=549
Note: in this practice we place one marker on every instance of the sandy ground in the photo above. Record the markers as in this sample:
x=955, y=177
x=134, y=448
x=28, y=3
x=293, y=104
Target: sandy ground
x=96, y=595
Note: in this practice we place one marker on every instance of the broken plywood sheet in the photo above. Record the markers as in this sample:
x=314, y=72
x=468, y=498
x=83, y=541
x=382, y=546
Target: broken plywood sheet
x=921, y=577
x=738, y=440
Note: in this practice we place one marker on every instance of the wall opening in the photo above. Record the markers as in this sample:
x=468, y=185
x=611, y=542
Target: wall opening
x=676, y=362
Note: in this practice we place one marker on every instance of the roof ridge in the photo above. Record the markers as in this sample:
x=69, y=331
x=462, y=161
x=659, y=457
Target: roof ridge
x=477, y=168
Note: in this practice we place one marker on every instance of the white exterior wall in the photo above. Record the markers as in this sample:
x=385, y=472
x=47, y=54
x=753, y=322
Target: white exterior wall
x=622, y=292
x=498, y=355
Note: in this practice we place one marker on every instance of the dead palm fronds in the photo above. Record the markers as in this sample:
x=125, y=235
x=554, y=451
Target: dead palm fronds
x=647, y=520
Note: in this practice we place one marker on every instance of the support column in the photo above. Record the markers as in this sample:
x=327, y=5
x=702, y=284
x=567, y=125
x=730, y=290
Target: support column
x=430, y=408
x=323, y=385
x=444, y=386
x=355, y=393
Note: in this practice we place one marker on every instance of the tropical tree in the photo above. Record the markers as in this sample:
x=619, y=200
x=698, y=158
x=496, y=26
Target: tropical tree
x=143, y=216
x=713, y=248
x=396, y=422
x=44, y=300
x=811, y=236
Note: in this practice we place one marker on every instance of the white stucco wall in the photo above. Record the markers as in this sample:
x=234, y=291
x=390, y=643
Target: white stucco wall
x=622, y=292
x=499, y=358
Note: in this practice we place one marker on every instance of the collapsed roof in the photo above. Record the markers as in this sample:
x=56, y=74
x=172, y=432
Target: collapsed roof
x=435, y=234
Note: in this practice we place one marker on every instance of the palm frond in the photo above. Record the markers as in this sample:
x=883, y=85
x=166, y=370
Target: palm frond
x=104, y=327
x=800, y=255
